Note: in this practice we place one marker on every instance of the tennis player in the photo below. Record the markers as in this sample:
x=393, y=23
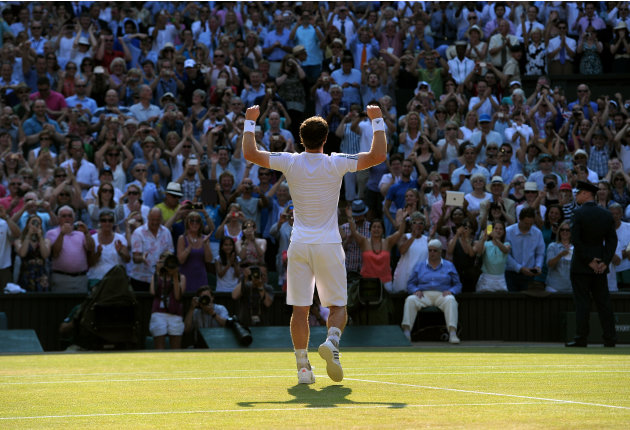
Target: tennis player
x=315, y=254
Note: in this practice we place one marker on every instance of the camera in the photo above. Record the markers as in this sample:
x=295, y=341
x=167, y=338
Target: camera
x=170, y=263
x=550, y=185
x=204, y=300
x=254, y=272
x=75, y=226
x=242, y=333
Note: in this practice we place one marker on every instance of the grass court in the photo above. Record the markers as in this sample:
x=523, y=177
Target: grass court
x=456, y=387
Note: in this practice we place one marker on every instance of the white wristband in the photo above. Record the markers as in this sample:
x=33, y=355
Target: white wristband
x=250, y=126
x=378, y=124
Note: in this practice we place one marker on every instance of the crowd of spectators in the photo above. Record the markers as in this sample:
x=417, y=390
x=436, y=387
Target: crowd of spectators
x=121, y=128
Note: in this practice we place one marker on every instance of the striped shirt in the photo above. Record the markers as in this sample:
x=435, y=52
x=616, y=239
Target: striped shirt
x=351, y=142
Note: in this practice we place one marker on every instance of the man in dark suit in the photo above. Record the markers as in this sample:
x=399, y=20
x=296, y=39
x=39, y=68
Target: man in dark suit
x=594, y=240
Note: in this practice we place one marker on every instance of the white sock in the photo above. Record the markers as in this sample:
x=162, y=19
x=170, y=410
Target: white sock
x=301, y=356
x=333, y=335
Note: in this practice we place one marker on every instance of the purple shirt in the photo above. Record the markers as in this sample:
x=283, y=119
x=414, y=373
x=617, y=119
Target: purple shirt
x=73, y=257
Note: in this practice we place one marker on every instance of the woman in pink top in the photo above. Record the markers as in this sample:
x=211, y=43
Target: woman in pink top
x=376, y=250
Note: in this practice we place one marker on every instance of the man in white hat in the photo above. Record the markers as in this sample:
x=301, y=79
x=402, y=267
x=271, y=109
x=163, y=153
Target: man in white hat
x=496, y=187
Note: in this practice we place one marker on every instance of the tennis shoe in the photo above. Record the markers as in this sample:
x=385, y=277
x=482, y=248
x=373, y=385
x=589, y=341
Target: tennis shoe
x=306, y=376
x=330, y=353
x=452, y=338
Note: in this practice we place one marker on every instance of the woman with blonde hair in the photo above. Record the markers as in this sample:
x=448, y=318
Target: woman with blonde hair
x=411, y=133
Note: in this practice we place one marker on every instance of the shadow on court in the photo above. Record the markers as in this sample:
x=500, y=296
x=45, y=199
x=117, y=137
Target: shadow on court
x=327, y=397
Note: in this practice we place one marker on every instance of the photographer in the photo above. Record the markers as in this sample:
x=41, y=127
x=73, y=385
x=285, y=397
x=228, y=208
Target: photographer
x=204, y=313
x=254, y=297
x=167, y=287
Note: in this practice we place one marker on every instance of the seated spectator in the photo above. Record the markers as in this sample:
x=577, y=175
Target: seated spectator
x=433, y=282
x=254, y=297
x=167, y=288
x=413, y=248
x=559, y=254
x=527, y=249
x=227, y=266
x=194, y=253
x=72, y=247
x=33, y=248
x=111, y=248
x=250, y=249
x=204, y=313
x=375, y=250
x=493, y=250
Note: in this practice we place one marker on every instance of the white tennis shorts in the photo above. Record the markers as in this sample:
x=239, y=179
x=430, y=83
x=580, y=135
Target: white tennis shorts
x=324, y=264
x=162, y=324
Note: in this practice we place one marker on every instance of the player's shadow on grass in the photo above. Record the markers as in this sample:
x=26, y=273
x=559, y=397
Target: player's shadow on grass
x=327, y=397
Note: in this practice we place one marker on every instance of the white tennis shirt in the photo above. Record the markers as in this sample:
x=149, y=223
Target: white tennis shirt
x=314, y=183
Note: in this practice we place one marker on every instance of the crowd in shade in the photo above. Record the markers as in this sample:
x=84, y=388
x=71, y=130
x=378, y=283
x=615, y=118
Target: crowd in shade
x=121, y=126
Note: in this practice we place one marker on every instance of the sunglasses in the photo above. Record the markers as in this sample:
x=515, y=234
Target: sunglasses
x=113, y=154
x=565, y=229
x=434, y=250
x=133, y=193
x=64, y=194
x=140, y=170
x=107, y=220
x=17, y=184
x=451, y=128
x=61, y=176
x=195, y=221
x=107, y=190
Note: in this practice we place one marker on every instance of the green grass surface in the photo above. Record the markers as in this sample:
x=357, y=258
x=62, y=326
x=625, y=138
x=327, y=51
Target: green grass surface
x=399, y=388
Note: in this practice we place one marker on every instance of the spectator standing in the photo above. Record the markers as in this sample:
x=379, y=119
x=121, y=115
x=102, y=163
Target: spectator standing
x=525, y=260
x=72, y=247
x=148, y=242
x=111, y=248
x=194, y=253
x=167, y=287
x=227, y=267
x=559, y=254
x=413, y=248
x=33, y=248
x=493, y=250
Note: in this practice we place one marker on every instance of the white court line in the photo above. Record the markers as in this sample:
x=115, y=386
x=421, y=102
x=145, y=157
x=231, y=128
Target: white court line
x=213, y=411
x=489, y=394
x=616, y=366
x=210, y=377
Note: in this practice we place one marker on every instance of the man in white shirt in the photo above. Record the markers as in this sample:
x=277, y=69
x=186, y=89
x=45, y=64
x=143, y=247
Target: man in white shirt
x=144, y=110
x=530, y=23
x=316, y=252
x=85, y=172
x=461, y=66
x=560, y=52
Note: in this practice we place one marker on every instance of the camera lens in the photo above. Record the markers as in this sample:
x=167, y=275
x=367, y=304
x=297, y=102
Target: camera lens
x=204, y=300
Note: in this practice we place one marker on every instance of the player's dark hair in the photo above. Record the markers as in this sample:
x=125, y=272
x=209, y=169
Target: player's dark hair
x=313, y=132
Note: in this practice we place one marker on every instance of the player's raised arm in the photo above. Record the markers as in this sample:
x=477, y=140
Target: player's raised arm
x=378, y=151
x=250, y=149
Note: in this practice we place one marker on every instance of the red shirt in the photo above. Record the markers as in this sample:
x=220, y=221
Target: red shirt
x=108, y=57
x=55, y=101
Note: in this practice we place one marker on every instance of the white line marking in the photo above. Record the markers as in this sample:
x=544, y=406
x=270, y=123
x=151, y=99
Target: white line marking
x=212, y=411
x=616, y=366
x=210, y=377
x=489, y=394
